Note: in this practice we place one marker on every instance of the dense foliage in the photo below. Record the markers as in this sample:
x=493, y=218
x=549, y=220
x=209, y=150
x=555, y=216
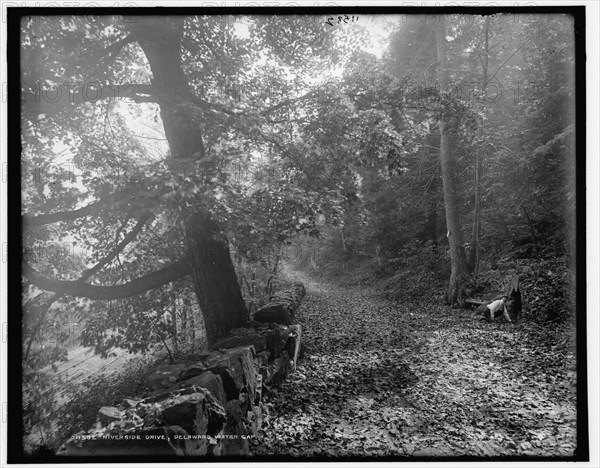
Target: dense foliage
x=510, y=99
x=317, y=145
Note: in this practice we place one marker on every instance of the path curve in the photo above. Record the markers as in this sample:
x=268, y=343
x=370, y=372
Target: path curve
x=381, y=379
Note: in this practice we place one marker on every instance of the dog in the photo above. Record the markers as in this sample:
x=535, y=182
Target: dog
x=494, y=309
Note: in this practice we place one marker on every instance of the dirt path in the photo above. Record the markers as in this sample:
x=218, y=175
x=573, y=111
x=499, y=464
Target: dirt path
x=382, y=379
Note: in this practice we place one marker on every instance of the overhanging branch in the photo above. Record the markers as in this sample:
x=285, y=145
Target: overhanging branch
x=288, y=102
x=52, y=100
x=49, y=218
x=86, y=275
x=120, y=291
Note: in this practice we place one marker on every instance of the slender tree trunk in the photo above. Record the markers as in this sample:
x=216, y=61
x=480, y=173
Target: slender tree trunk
x=184, y=326
x=458, y=259
x=174, y=335
x=532, y=230
x=432, y=192
x=474, y=260
x=214, y=278
x=278, y=255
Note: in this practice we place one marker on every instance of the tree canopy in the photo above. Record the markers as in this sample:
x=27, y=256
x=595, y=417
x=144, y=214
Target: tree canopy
x=274, y=128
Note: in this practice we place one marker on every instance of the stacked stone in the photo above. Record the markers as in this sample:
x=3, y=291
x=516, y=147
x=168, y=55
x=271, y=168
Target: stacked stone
x=209, y=407
x=282, y=305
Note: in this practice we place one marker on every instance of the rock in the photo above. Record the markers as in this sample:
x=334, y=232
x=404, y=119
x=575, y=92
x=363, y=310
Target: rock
x=208, y=381
x=239, y=446
x=243, y=337
x=148, y=413
x=220, y=394
x=408, y=448
x=211, y=382
x=255, y=420
x=122, y=425
x=193, y=370
x=183, y=411
x=277, y=371
x=263, y=336
x=281, y=306
x=262, y=359
x=108, y=414
x=151, y=441
x=259, y=387
x=164, y=393
x=276, y=312
x=277, y=337
x=197, y=413
x=128, y=403
x=192, y=407
x=236, y=368
x=166, y=376
x=295, y=293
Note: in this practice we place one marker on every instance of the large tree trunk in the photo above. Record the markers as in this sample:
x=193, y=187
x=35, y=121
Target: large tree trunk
x=459, y=272
x=214, y=278
x=215, y=281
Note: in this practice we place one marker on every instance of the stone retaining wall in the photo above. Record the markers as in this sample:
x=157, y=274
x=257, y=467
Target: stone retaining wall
x=209, y=407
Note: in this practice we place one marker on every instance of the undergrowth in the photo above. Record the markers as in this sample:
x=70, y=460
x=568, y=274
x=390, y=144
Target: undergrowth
x=420, y=272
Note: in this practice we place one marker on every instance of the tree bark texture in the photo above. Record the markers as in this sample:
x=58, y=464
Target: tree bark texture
x=215, y=282
x=514, y=303
x=431, y=226
x=458, y=259
x=120, y=291
x=474, y=257
x=214, y=278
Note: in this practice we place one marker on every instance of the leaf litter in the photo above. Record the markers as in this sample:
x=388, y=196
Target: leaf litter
x=381, y=378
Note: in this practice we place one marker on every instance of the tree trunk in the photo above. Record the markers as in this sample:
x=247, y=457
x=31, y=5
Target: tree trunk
x=432, y=193
x=474, y=260
x=531, y=229
x=184, y=326
x=514, y=303
x=174, y=335
x=214, y=278
x=458, y=259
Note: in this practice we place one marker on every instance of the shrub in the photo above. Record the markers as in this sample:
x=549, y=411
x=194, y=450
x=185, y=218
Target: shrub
x=547, y=286
x=419, y=270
